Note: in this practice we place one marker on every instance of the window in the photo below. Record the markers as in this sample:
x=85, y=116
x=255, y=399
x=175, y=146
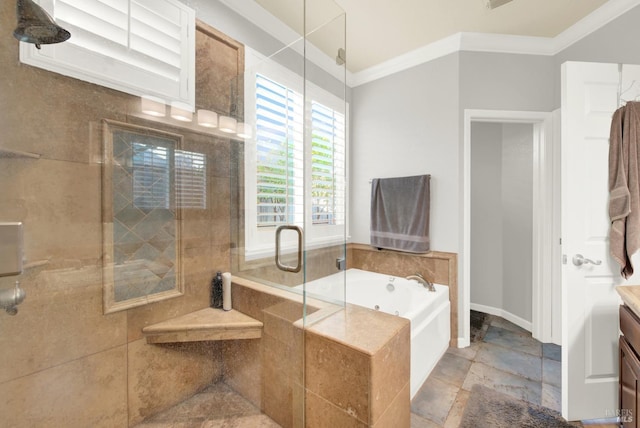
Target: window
x=276, y=164
x=279, y=154
x=328, y=161
x=151, y=179
x=191, y=179
x=141, y=47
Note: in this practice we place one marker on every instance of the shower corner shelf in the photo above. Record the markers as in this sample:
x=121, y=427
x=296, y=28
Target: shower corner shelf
x=8, y=153
x=204, y=325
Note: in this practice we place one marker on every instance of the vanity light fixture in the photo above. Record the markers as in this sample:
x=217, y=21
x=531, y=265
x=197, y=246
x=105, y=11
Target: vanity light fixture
x=152, y=106
x=207, y=118
x=181, y=112
x=227, y=124
x=243, y=130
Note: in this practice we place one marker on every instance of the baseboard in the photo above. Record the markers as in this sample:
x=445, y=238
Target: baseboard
x=463, y=343
x=520, y=322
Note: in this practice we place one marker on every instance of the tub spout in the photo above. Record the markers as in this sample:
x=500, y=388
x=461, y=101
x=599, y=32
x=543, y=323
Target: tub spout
x=425, y=282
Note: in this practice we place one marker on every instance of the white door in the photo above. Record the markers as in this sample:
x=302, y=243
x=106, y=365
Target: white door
x=589, y=300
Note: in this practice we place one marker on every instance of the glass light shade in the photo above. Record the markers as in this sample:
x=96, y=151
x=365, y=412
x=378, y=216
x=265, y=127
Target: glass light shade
x=181, y=113
x=227, y=124
x=244, y=130
x=152, y=106
x=207, y=118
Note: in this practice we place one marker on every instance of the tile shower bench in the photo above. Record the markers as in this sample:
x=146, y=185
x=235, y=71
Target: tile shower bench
x=204, y=325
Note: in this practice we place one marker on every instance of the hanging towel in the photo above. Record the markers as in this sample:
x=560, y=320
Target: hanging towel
x=624, y=186
x=400, y=213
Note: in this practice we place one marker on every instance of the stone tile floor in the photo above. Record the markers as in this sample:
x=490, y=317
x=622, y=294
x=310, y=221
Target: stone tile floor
x=504, y=357
x=218, y=406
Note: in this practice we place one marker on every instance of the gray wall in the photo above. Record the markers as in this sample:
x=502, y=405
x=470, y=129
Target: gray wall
x=407, y=124
x=486, y=214
x=496, y=81
x=517, y=219
x=432, y=135
x=501, y=217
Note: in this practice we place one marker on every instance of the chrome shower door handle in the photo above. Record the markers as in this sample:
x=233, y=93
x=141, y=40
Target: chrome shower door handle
x=580, y=260
x=279, y=264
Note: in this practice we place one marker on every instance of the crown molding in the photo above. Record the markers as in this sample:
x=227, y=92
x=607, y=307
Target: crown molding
x=410, y=59
x=467, y=42
x=506, y=43
x=501, y=43
x=592, y=22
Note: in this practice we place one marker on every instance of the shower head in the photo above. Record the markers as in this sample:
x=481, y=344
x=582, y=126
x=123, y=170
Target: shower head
x=36, y=26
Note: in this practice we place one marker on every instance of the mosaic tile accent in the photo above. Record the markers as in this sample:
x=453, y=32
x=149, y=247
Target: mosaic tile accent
x=144, y=215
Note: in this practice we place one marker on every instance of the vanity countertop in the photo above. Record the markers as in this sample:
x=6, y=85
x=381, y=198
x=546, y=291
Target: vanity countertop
x=630, y=296
x=203, y=325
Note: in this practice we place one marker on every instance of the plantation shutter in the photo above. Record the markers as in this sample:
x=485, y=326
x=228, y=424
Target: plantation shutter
x=279, y=150
x=151, y=178
x=328, y=162
x=142, y=47
x=191, y=179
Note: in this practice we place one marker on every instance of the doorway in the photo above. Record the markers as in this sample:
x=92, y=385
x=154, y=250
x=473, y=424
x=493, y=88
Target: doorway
x=545, y=318
x=502, y=220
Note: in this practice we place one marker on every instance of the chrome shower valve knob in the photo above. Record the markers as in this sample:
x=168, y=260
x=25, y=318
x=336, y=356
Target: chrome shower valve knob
x=9, y=299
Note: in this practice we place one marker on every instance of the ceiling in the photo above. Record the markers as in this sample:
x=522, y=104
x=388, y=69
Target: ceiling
x=379, y=30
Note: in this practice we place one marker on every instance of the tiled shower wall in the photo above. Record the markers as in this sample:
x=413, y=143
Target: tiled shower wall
x=64, y=363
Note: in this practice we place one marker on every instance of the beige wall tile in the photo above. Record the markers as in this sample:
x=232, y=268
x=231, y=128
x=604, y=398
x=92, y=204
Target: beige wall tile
x=242, y=368
x=390, y=372
x=60, y=208
x=277, y=394
x=338, y=374
x=87, y=392
x=398, y=413
x=219, y=65
x=252, y=302
x=59, y=321
x=161, y=376
x=321, y=413
x=278, y=320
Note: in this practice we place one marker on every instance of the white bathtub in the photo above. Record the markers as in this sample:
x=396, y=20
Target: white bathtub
x=428, y=311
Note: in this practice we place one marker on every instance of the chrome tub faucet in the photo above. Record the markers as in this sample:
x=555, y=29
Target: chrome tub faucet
x=421, y=279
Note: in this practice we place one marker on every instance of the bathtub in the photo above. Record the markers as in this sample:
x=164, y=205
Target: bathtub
x=428, y=312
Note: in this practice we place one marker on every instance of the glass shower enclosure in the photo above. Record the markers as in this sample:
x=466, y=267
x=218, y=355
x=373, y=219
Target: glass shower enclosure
x=290, y=195
x=289, y=200
x=129, y=204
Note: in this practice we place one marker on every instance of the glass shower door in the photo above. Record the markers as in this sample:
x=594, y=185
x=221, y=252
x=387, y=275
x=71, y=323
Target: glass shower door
x=289, y=217
x=290, y=196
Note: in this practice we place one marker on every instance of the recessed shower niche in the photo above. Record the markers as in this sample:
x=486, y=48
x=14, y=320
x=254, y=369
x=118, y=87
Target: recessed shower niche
x=147, y=179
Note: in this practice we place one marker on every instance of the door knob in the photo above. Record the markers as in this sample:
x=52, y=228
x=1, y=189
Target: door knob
x=580, y=260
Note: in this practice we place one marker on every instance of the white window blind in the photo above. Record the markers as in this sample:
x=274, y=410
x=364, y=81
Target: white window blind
x=191, y=179
x=279, y=176
x=280, y=158
x=328, y=161
x=151, y=179
x=153, y=169
x=142, y=47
